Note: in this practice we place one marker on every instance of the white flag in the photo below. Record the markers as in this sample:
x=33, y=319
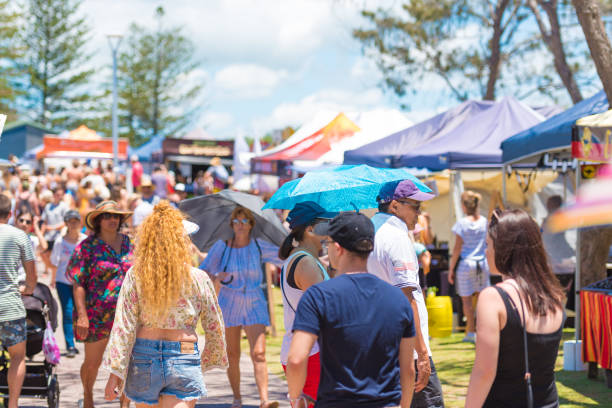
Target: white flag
x=2, y=121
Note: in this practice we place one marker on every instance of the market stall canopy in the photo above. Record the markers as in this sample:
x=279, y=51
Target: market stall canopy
x=81, y=142
x=149, y=150
x=552, y=135
x=318, y=121
x=388, y=151
x=317, y=144
x=592, y=138
x=374, y=125
x=474, y=144
x=309, y=148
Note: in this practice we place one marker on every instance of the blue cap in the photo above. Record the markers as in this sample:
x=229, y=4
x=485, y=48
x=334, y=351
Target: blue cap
x=306, y=212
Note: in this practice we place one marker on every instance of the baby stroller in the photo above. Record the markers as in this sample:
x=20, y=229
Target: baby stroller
x=40, y=379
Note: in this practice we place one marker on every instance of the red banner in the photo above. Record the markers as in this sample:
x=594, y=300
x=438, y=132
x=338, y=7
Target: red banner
x=65, y=147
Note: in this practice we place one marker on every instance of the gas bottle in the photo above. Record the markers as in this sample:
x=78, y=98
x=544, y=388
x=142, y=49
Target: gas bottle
x=440, y=311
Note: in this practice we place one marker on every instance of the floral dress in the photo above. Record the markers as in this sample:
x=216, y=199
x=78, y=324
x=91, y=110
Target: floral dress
x=100, y=270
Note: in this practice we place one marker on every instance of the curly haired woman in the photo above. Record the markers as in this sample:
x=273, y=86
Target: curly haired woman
x=153, y=347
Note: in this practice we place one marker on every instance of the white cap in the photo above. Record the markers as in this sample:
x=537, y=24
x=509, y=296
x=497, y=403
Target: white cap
x=179, y=187
x=190, y=227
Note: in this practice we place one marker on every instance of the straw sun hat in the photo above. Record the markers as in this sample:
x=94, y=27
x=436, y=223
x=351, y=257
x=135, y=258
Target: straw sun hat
x=105, y=207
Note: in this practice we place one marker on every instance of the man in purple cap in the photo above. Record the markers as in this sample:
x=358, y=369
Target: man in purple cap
x=394, y=260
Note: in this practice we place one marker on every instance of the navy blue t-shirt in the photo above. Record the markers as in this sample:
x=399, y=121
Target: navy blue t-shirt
x=360, y=321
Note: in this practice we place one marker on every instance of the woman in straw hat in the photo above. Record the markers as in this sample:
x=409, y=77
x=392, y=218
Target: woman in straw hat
x=153, y=347
x=97, y=268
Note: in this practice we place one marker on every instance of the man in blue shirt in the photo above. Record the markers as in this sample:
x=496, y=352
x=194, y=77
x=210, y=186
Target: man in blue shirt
x=364, y=327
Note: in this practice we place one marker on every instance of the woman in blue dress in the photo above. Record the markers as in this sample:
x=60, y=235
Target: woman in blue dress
x=237, y=264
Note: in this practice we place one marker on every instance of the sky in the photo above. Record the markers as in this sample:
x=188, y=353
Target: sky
x=268, y=64
x=265, y=64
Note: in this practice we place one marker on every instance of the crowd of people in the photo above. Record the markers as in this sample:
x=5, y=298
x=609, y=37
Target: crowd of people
x=134, y=289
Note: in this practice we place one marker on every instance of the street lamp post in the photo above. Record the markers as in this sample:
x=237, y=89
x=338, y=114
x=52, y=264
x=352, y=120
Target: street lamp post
x=114, y=41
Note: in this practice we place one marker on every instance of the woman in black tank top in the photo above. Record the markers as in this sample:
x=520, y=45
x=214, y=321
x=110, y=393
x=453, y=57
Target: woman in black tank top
x=530, y=295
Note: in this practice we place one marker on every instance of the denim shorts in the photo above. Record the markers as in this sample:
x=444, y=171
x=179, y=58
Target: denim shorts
x=13, y=332
x=158, y=367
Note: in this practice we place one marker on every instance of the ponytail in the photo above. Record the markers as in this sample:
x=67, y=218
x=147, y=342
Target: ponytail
x=286, y=247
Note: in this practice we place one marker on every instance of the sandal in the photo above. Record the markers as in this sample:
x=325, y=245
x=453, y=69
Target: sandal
x=237, y=403
x=268, y=404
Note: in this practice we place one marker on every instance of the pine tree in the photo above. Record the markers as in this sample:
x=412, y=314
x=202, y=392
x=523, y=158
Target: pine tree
x=10, y=54
x=55, y=37
x=157, y=92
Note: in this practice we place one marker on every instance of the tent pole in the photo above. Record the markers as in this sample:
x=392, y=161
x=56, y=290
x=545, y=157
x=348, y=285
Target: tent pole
x=577, y=285
x=504, y=193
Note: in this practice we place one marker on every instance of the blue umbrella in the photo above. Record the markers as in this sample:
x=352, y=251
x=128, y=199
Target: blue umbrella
x=342, y=188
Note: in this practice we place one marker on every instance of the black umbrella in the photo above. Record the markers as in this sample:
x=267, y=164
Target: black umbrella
x=211, y=212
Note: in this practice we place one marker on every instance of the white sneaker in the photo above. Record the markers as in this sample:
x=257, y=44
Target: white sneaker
x=469, y=338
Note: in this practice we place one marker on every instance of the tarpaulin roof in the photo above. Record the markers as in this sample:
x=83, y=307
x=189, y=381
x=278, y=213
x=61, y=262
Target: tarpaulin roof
x=389, y=151
x=314, y=146
x=552, y=134
x=146, y=151
x=475, y=142
x=374, y=124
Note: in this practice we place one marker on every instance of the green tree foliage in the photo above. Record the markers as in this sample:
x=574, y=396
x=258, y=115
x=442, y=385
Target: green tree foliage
x=157, y=91
x=55, y=36
x=10, y=53
x=464, y=43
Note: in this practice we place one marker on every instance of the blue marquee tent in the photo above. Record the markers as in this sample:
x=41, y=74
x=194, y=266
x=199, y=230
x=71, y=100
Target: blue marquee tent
x=146, y=151
x=390, y=151
x=553, y=134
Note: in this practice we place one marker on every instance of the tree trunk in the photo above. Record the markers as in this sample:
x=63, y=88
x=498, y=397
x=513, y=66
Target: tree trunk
x=589, y=16
x=594, y=248
x=495, y=46
x=552, y=39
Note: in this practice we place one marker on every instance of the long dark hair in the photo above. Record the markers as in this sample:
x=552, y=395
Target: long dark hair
x=520, y=254
x=287, y=246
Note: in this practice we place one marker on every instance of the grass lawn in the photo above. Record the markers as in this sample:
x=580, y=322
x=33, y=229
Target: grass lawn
x=454, y=361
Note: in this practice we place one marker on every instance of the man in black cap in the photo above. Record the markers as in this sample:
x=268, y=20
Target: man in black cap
x=363, y=325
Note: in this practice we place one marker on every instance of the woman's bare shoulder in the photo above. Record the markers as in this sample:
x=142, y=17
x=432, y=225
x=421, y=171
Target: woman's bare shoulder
x=490, y=298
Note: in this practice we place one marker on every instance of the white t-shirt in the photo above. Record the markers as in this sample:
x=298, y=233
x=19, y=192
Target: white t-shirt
x=60, y=256
x=394, y=260
x=142, y=211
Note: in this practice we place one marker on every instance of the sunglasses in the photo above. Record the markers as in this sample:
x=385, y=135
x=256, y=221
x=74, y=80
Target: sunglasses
x=108, y=216
x=24, y=221
x=236, y=221
x=416, y=206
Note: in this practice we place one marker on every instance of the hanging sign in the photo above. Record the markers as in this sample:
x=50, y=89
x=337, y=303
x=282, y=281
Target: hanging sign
x=592, y=144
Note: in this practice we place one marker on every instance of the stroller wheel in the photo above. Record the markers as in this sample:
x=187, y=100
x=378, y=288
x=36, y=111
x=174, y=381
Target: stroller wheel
x=53, y=393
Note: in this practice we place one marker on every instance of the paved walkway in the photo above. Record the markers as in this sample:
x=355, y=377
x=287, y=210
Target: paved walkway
x=219, y=393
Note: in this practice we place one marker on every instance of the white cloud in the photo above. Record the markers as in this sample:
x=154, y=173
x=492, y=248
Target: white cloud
x=248, y=81
x=217, y=123
x=336, y=100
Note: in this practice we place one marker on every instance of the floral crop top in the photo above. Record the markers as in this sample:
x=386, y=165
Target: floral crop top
x=130, y=316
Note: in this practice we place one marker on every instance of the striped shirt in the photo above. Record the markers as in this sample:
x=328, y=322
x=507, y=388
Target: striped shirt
x=474, y=236
x=15, y=250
